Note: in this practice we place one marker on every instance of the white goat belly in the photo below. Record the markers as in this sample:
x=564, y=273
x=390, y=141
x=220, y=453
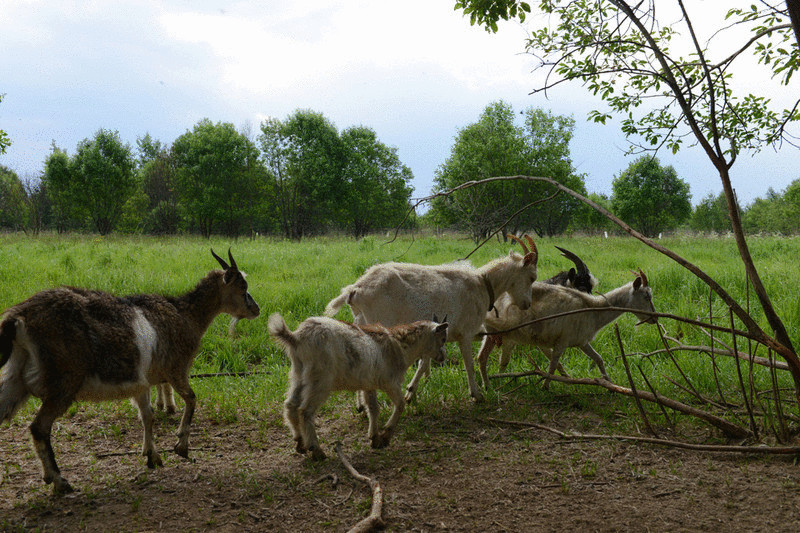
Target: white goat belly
x=95, y=389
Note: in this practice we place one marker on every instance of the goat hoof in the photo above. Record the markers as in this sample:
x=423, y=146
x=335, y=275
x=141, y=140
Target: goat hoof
x=317, y=454
x=182, y=450
x=61, y=486
x=409, y=396
x=298, y=446
x=381, y=440
x=154, y=460
x=478, y=397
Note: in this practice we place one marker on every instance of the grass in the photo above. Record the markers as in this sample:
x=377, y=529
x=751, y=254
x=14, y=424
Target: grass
x=297, y=279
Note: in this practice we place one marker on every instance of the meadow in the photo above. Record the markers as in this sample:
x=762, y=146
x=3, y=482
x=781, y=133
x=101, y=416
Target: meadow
x=297, y=279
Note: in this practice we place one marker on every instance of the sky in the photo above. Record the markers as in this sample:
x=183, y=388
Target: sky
x=415, y=72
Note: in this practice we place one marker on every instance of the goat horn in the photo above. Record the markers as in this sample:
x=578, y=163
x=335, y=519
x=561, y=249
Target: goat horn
x=530, y=242
x=220, y=260
x=233, y=261
x=640, y=274
x=582, y=268
x=521, y=243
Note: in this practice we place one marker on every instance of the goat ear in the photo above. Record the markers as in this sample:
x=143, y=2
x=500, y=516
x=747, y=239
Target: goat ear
x=571, y=275
x=220, y=260
x=532, y=257
x=229, y=275
x=441, y=327
x=637, y=283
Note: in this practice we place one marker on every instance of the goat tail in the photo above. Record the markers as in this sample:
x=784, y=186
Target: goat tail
x=337, y=303
x=13, y=392
x=8, y=331
x=280, y=331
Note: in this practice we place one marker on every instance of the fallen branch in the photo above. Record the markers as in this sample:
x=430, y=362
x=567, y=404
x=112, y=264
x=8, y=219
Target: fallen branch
x=374, y=520
x=779, y=450
x=730, y=430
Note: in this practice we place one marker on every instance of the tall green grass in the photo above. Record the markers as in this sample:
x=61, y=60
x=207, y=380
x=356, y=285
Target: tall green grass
x=297, y=279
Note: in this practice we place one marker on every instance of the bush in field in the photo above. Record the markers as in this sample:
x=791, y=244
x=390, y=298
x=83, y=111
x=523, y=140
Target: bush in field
x=651, y=198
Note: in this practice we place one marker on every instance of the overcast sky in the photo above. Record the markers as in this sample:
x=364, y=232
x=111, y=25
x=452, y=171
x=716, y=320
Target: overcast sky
x=414, y=71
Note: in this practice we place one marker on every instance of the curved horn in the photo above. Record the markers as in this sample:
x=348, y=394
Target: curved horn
x=581, y=266
x=530, y=242
x=640, y=274
x=521, y=243
x=644, y=278
x=220, y=260
x=233, y=262
x=534, y=252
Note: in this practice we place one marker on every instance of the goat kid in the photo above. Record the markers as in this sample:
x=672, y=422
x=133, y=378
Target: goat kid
x=70, y=344
x=554, y=336
x=329, y=355
x=401, y=293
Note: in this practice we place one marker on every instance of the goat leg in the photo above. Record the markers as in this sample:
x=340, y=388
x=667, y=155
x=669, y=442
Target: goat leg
x=41, y=428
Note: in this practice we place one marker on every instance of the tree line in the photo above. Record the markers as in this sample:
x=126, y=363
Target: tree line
x=300, y=177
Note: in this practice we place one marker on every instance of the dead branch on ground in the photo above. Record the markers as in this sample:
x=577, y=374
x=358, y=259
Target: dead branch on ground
x=764, y=450
x=374, y=520
x=728, y=428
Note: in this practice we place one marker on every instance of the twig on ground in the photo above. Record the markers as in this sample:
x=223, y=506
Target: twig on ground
x=374, y=520
x=730, y=429
x=766, y=450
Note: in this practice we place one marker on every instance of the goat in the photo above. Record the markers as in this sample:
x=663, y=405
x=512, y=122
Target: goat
x=67, y=344
x=556, y=335
x=400, y=293
x=328, y=355
x=580, y=279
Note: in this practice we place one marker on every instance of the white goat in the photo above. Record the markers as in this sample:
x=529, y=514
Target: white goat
x=400, y=293
x=328, y=355
x=68, y=344
x=556, y=335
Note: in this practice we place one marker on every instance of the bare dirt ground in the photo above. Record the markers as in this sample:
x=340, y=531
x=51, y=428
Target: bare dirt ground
x=452, y=470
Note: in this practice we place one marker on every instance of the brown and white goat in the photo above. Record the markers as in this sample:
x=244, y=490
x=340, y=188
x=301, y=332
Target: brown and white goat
x=329, y=355
x=400, y=293
x=555, y=335
x=70, y=344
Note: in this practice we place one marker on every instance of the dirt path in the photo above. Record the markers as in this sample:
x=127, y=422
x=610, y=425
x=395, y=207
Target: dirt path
x=452, y=472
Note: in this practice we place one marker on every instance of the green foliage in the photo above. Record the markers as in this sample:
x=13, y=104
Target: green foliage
x=488, y=12
x=13, y=208
x=651, y=198
x=101, y=179
x=776, y=212
x=59, y=188
x=588, y=219
x=217, y=176
x=497, y=146
x=376, y=183
x=711, y=215
x=324, y=180
x=305, y=156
